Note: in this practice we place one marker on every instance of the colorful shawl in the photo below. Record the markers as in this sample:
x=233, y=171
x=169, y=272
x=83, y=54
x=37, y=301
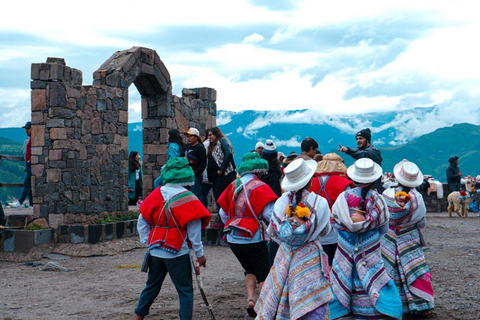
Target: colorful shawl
x=403, y=254
x=238, y=201
x=298, y=283
x=359, y=256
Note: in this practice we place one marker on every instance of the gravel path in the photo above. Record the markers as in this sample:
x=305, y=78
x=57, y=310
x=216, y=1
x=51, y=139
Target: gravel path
x=97, y=288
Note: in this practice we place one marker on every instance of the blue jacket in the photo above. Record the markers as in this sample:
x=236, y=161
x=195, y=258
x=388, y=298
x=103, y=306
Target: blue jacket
x=131, y=182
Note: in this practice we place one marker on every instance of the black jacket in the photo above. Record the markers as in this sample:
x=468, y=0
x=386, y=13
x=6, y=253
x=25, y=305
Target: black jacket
x=453, y=171
x=369, y=152
x=196, y=156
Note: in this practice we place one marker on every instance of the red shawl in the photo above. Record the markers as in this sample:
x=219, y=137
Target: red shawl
x=169, y=220
x=234, y=202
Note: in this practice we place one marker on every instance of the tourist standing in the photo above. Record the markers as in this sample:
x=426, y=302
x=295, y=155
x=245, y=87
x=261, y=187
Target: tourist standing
x=365, y=148
x=259, y=146
x=27, y=183
x=297, y=286
x=246, y=206
x=221, y=167
x=329, y=181
x=168, y=217
x=206, y=184
x=309, y=149
x=135, y=178
x=175, y=144
x=272, y=178
x=454, y=176
x=196, y=155
x=402, y=245
x=361, y=286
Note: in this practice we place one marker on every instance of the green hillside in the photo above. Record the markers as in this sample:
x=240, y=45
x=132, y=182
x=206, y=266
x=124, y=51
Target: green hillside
x=432, y=151
x=11, y=171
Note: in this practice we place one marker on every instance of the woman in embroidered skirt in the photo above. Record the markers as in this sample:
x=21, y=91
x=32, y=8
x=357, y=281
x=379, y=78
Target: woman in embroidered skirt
x=402, y=245
x=297, y=286
x=361, y=286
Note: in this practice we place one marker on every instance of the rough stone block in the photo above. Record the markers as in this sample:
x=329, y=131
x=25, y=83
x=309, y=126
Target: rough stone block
x=37, y=151
x=36, y=84
x=55, y=220
x=130, y=228
x=24, y=240
x=39, y=99
x=38, y=169
x=120, y=229
x=55, y=154
x=101, y=105
x=42, y=236
x=77, y=77
x=57, y=71
x=8, y=240
x=154, y=149
x=56, y=94
x=54, y=175
x=38, y=118
x=38, y=136
x=58, y=134
x=123, y=116
x=77, y=234
x=95, y=233
x=55, y=123
x=109, y=231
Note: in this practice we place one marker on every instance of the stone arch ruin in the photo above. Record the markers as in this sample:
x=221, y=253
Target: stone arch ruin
x=80, y=133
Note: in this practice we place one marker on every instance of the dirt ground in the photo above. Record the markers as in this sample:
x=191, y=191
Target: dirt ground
x=97, y=289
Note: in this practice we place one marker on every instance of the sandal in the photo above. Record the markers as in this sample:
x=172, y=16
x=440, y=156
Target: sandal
x=250, y=310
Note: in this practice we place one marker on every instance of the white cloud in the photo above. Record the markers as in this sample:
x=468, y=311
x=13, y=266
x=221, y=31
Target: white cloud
x=293, y=142
x=253, y=38
x=15, y=106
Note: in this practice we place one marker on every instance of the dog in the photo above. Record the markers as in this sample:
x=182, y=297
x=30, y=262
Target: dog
x=458, y=201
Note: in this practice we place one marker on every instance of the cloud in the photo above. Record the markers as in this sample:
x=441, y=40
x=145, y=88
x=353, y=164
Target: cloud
x=253, y=38
x=15, y=107
x=293, y=142
x=223, y=118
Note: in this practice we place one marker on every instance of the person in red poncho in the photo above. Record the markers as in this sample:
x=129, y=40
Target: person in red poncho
x=171, y=219
x=245, y=206
x=329, y=181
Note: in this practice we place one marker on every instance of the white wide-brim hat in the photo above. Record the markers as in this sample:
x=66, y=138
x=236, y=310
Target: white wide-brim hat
x=408, y=174
x=298, y=173
x=364, y=170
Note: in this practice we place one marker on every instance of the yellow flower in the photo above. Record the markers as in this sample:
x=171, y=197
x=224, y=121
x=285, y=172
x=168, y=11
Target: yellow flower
x=303, y=212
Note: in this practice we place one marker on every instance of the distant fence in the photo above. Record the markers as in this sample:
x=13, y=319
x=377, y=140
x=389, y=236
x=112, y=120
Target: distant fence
x=12, y=158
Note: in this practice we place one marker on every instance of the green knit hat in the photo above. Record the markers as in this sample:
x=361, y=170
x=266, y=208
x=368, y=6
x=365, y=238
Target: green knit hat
x=252, y=163
x=178, y=172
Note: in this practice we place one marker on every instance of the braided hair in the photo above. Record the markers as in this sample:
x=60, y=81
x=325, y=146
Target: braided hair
x=365, y=190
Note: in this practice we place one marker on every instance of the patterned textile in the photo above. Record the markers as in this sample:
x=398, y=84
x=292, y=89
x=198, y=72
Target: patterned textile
x=238, y=201
x=297, y=283
x=169, y=219
x=219, y=157
x=297, y=286
x=360, y=283
x=403, y=254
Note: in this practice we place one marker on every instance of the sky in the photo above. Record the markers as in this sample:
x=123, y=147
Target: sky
x=329, y=57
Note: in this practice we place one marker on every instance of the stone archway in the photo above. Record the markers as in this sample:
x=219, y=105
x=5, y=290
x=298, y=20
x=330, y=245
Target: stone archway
x=80, y=133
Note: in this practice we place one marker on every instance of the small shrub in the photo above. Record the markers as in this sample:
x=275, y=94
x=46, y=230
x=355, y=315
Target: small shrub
x=106, y=219
x=34, y=226
x=130, y=215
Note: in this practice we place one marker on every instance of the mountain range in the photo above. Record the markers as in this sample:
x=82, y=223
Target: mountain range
x=412, y=135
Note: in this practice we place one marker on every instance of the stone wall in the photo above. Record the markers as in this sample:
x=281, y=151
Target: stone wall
x=80, y=133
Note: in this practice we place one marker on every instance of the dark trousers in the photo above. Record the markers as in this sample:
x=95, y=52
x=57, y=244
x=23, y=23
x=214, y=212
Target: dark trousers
x=204, y=190
x=272, y=251
x=180, y=271
x=3, y=221
x=27, y=184
x=196, y=188
x=138, y=194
